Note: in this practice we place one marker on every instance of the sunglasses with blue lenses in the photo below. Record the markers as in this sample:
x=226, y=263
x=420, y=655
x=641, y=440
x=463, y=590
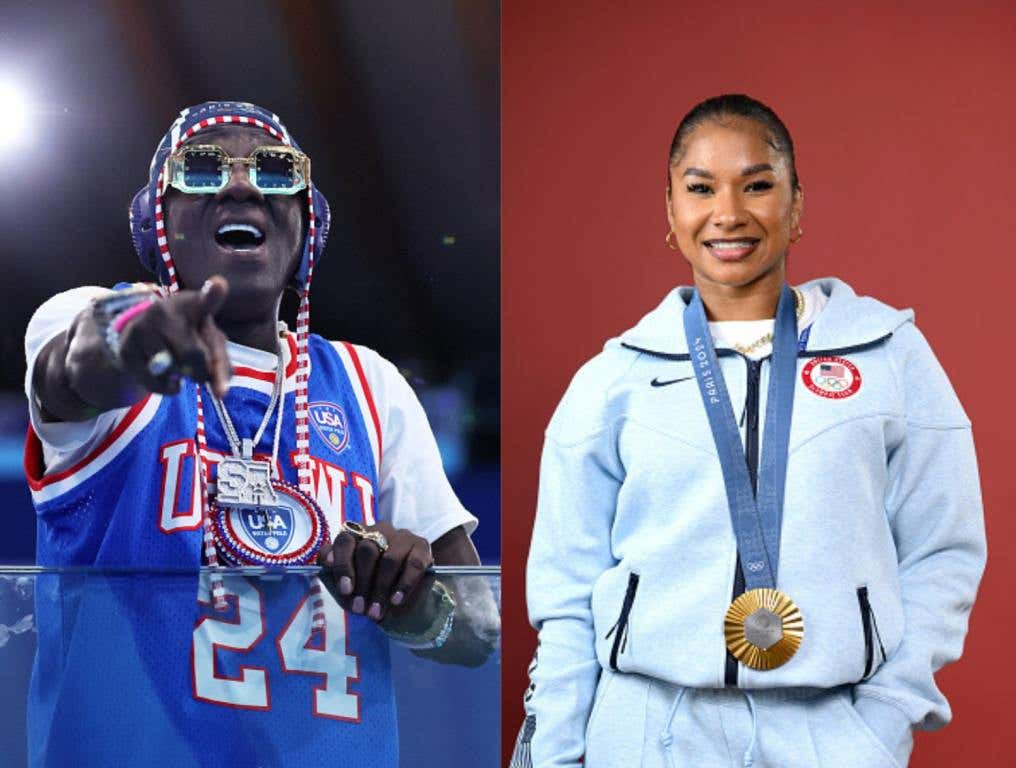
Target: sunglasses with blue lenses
x=203, y=169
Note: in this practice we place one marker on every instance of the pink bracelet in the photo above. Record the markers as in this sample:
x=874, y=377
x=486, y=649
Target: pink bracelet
x=126, y=316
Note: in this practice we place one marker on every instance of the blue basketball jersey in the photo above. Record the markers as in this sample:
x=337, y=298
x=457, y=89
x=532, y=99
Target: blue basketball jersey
x=141, y=670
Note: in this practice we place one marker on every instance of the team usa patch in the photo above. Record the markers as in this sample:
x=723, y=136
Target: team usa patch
x=834, y=377
x=331, y=424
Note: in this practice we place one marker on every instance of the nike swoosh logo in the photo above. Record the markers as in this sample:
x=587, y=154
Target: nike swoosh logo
x=658, y=383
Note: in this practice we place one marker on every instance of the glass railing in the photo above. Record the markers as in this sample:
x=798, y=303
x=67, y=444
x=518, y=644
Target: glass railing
x=139, y=668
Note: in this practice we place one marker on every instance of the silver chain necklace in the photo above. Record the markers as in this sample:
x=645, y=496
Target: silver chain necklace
x=242, y=480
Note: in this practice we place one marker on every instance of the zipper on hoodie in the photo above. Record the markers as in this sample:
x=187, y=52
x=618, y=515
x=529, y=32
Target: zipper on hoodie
x=868, y=624
x=751, y=412
x=621, y=625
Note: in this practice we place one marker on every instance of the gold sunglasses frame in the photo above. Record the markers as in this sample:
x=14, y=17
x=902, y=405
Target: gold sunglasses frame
x=176, y=168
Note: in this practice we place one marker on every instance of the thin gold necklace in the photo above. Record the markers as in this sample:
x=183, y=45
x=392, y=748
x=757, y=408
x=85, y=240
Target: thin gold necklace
x=798, y=307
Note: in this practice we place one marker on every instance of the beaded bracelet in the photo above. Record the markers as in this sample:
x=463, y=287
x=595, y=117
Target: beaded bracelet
x=112, y=313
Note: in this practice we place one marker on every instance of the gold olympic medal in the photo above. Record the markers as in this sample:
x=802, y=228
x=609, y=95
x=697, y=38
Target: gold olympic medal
x=763, y=628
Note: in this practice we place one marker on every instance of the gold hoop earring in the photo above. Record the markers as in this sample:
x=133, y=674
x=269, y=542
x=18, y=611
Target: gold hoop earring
x=800, y=234
x=672, y=246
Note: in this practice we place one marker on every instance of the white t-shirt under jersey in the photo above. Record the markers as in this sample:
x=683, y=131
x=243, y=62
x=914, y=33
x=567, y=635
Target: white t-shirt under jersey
x=413, y=490
x=731, y=333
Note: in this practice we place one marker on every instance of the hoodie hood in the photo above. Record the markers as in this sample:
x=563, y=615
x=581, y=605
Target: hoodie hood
x=847, y=320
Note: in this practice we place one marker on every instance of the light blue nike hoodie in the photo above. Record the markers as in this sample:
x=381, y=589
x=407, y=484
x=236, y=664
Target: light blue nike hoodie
x=633, y=557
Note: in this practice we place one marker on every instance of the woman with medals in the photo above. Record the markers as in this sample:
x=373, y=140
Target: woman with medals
x=181, y=425
x=759, y=530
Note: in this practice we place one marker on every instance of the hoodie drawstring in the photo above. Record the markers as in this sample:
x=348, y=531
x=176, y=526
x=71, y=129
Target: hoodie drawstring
x=667, y=737
x=749, y=753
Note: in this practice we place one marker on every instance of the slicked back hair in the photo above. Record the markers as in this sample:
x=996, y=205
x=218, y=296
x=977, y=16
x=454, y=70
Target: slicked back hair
x=730, y=105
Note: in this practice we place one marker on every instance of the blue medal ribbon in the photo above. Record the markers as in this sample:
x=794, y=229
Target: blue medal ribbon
x=756, y=517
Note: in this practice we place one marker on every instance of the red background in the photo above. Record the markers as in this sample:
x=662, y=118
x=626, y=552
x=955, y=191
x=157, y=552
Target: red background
x=903, y=121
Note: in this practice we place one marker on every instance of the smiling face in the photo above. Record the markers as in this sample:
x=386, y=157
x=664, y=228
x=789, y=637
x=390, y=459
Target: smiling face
x=251, y=239
x=731, y=205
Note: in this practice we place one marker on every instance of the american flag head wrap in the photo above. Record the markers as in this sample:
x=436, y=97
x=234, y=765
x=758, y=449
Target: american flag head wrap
x=150, y=241
x=153, y=249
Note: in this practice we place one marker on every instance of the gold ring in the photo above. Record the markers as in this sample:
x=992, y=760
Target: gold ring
x=362, y=534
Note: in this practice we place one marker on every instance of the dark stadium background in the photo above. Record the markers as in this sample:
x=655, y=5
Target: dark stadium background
x=397, y=104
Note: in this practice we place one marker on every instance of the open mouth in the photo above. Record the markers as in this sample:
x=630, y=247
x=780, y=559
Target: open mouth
x=239, y=237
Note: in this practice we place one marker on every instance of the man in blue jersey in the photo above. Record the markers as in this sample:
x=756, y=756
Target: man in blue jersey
x=182, y=425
